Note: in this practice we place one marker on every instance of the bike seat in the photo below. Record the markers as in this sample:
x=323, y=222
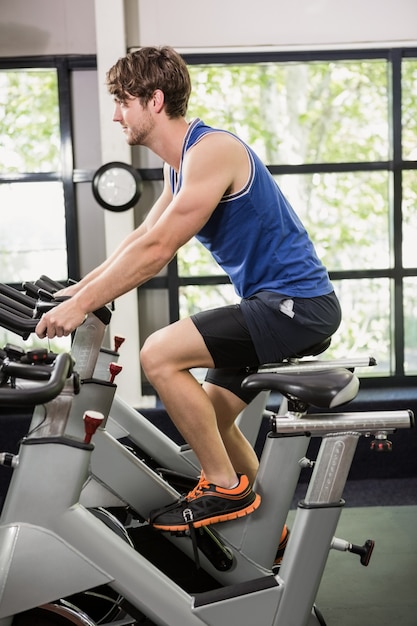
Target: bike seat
x=320, y=388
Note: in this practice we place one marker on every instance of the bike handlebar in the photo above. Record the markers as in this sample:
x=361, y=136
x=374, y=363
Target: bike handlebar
x=17, y=369
x=19, y=313
x=17, y=296
x=14, y=322
x=36, y=394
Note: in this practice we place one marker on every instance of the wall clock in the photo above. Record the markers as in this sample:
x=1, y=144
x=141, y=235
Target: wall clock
x=117, y=186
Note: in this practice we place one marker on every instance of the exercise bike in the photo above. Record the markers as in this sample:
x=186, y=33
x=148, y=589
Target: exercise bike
x=43, y=509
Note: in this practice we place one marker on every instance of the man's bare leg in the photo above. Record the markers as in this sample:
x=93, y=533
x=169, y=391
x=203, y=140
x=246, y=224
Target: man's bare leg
x=166, y=359
x=227, y=407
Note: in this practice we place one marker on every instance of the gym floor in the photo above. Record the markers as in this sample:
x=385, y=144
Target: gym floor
x=383, y=593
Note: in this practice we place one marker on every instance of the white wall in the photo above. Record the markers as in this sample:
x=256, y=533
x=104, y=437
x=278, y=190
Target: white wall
x=276, y=23
x=32, y=27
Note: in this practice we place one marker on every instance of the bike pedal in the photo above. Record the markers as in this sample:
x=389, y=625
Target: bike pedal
x=219, y=555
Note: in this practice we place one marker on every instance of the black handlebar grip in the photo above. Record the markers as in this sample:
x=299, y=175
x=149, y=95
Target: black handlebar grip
x=17, y=296
x=17, y=369
x=15, y=307
x=22, y=326
x=19, y=313
x=48, y=284
x=39, y=394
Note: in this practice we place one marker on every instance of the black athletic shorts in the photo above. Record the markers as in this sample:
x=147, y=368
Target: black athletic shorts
x=265, y=328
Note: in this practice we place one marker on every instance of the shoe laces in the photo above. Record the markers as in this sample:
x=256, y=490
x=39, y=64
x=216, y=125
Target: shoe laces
x=198, y=490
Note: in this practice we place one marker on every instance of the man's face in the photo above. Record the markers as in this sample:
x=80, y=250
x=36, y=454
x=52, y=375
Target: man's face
x=136, y=120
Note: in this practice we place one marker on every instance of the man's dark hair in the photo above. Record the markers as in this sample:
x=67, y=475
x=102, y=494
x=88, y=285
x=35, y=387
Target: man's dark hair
x=141, y=72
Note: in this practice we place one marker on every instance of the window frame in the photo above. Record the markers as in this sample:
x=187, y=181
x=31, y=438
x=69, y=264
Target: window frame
x=394, y=165
x=68, y=175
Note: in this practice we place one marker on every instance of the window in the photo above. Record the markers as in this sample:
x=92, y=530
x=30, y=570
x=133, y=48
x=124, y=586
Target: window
x=338, y=131
x=37, y=200
x=32, y=210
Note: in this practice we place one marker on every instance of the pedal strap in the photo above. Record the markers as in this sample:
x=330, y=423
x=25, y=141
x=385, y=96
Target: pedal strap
x=188, y=517
x=193, y=537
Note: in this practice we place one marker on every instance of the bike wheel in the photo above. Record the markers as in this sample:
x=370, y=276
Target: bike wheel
x=102, y=604
x=53, y=614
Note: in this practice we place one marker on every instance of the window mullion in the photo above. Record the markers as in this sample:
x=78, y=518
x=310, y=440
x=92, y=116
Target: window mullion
x=396, y=138
x=173, y=291
x=67, y=161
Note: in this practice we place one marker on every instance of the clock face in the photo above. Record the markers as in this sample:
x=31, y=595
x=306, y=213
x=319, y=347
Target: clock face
x=117, y=186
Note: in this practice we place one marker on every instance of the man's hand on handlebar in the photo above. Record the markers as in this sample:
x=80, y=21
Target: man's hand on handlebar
x=67, y=292
x=61, y=320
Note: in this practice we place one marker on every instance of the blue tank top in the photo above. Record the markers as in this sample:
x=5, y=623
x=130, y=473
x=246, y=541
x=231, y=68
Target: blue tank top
x=255, y=235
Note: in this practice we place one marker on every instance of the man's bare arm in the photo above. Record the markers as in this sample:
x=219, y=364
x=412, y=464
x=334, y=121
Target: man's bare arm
x=208, y=173
x=153, y=215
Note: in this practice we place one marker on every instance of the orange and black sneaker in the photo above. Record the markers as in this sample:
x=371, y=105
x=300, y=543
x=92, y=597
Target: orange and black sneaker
x=207, y=504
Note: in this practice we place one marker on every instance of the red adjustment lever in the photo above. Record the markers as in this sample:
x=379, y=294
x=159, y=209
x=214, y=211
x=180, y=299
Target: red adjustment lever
x=92, y=420
x=114, y=369
x=118, y=342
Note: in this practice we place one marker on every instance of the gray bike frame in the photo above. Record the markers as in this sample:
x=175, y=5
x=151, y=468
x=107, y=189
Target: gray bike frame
x=52, y=546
